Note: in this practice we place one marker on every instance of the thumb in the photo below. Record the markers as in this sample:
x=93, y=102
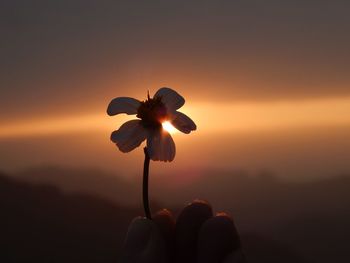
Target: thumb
x=143, y=243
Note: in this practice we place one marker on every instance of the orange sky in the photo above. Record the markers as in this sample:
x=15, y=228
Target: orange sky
x=211, y=117
x=290, y=138
x=266, y=82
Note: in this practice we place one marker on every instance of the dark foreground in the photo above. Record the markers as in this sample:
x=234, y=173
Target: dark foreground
x=39, y=223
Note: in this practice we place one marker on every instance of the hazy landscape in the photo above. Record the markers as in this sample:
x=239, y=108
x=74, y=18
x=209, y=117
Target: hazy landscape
x=62, y=215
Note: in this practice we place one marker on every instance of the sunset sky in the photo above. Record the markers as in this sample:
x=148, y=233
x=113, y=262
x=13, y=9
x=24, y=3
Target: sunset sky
x=267, y=82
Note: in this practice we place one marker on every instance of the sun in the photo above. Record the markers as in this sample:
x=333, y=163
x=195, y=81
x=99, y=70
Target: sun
x=169, y=127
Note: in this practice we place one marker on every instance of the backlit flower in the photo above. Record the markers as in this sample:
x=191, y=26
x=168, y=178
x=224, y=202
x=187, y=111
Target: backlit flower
x=151, y=113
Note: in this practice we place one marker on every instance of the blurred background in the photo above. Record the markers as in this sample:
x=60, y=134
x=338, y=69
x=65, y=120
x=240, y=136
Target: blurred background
x=267, y=83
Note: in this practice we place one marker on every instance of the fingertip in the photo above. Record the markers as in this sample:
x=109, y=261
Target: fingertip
x=138, y=235
x=200, y=201
x=198, y=208
x=166, y=225
x=164, y=218
x=164, y=213
x=218, y=237
x=188, y=225
x=143, y=243
x=224, y=214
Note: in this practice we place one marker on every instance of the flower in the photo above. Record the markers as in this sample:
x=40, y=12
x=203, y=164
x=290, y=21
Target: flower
x=151, y=113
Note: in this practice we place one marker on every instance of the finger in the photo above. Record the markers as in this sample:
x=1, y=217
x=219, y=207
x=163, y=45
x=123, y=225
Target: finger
x=218, y=238
x=143, y=243
x=236, y=257
x=188, y=225
x=166, y=225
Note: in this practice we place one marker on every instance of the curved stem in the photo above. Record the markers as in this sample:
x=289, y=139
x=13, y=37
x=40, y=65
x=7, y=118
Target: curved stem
x=145, y=185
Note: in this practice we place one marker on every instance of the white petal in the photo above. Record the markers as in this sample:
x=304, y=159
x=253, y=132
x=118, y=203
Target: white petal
x=123, y=105
x=170, y=98
x=160, y=146
x=129, y=136
x=182, y=122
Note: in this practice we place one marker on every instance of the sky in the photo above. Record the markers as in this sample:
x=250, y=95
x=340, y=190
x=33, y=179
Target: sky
x=267, y=82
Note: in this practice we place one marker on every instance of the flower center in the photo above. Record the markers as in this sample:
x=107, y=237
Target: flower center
x=152, y=112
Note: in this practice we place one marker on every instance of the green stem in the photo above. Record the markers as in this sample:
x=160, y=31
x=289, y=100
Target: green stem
x=145, y=185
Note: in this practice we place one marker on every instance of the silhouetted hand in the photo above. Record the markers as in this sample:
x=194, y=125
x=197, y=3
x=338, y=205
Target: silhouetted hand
x=196, y=237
